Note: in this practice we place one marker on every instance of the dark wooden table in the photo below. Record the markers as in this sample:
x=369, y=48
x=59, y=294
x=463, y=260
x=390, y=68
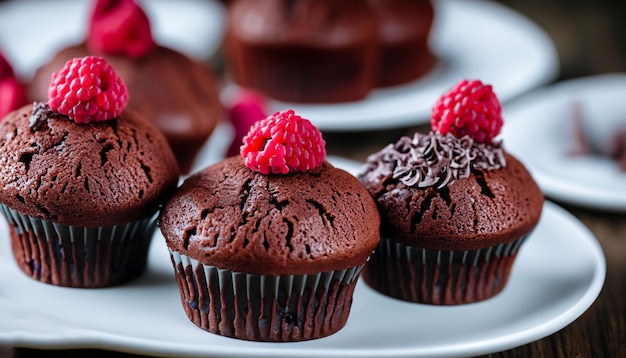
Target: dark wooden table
x=591, y=39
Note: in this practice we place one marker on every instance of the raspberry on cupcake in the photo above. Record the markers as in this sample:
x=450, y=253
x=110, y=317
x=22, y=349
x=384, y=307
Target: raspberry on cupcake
x=120, y=28
x=248, y=108
x=179, y=95
x=82, y=179
x=455, y=206
x=87, y=90
x=268, y=245
x=12, y=91
x=283, y=143
x=470, y=108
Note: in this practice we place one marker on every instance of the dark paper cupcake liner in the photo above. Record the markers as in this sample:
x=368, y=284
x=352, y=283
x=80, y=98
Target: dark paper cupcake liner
x=282, y=308
x=74, y=256
x=437, y=276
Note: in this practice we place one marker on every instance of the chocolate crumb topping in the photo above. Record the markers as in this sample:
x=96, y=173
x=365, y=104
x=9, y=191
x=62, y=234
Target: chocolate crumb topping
x=41, y=111
x=434, y=159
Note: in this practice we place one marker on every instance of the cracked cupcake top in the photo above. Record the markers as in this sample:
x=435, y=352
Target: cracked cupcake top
x=487, y=207
x=93, y=174
x=232, y=217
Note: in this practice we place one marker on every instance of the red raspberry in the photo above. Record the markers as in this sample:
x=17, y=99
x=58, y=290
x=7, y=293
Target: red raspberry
x=12, y=95
x=248, y=109
x=87, y=90
x=6, y=70
x=281, y=143
x=119, y=27
x=469, y=108
x=12, y=91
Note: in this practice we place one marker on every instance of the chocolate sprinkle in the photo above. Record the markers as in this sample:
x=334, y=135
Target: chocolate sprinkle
x=41, y=111
x=435, y=159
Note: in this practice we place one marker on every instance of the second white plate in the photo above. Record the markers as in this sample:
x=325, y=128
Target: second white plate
x=539, y=129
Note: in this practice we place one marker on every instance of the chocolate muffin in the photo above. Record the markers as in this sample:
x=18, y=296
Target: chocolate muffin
x=271, y=253
x=455, y=206
x=308, y=51
x=179, y=95
x=81, y=195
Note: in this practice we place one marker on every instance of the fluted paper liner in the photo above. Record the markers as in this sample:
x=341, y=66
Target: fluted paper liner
x=440, y=277
x=75, y=256
x=281, y=308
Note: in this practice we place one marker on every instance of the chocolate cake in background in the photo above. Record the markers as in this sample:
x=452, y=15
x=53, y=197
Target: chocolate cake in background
x=180, y=95
x=303, y=51
x=325, y=51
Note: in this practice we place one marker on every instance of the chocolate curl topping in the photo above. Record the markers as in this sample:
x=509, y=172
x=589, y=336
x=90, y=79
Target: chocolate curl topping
x=434, y=159
x=119, y=27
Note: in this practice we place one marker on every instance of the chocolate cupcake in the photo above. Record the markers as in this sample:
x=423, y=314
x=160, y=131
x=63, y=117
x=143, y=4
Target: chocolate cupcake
x=179, y=95
x=269, y=245
x=455, y=206
x=82, y=180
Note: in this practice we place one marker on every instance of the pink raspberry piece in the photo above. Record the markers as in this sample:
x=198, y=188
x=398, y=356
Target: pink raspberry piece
x=119, y=27
x=470, y=108
x=12, y=91
x=87, y=90
x=283, y=143
x=248, y=109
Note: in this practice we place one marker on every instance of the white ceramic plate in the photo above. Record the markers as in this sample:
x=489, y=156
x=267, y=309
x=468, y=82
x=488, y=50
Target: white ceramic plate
x=31, y=31
x=539, y=129
x=473, y=39
x=558, y=274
